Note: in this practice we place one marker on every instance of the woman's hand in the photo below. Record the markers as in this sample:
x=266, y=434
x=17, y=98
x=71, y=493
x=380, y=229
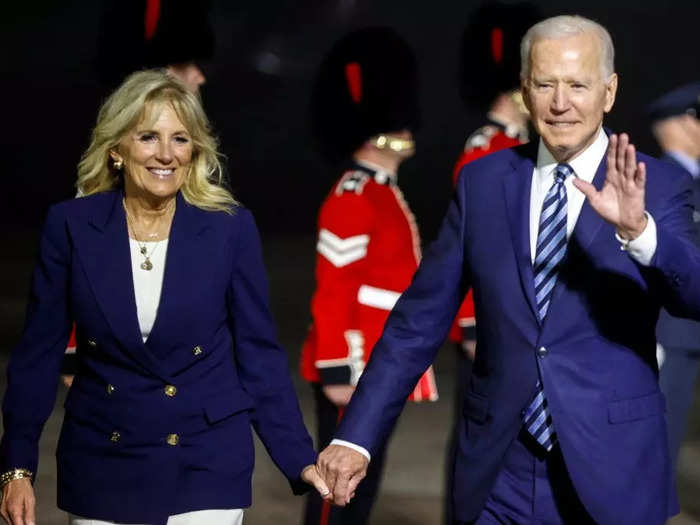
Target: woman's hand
x=18, y=502
x=311, y=476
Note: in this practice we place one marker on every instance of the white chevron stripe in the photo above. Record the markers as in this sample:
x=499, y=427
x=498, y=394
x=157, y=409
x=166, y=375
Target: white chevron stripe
x=377, y=297
x=339, y=259
x=342, y=245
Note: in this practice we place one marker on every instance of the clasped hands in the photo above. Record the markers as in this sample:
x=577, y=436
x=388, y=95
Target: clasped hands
x=339, y=469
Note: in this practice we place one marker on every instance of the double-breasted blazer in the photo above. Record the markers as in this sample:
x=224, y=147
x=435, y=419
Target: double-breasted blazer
x=162, y=427
x=594, y=353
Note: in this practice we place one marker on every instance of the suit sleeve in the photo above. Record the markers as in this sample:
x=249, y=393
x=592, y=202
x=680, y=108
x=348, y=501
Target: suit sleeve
x=345, y=230
x=414, y=331
x=677, y=256
x=33, y=369
x=262, y=363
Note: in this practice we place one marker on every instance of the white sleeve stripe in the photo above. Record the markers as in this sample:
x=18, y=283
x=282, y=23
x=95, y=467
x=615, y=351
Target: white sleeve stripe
x=342, y=245
x=341, y=259
x=377, y=297
x=330, y=363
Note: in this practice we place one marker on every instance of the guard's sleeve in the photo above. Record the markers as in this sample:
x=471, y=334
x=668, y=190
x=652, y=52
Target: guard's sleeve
x=345, y=232
x=413, y=333
x=33, y=370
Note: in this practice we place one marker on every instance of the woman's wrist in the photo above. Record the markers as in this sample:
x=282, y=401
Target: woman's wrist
x=14, y=474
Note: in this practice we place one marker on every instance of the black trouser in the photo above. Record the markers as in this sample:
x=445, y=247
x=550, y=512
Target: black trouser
x=358, y=510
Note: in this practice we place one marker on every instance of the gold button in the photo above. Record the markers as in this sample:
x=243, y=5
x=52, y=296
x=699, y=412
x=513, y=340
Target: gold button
x=92, y=342
x=110, y=389
x=197, y=350
x=115, y=436
x=170, y=390
x=172, y=439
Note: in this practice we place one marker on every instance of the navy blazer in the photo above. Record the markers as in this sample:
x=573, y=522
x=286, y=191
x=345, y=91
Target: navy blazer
x=162, y=427
x=595, y=350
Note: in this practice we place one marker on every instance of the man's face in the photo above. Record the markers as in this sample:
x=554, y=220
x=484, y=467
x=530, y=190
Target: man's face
x=567, y=94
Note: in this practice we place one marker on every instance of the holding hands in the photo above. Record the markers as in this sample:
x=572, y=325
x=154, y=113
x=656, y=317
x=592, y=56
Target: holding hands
x=621, y=199
x=342, y=468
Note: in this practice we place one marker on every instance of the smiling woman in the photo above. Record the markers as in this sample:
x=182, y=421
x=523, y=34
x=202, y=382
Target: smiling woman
x=161, y=271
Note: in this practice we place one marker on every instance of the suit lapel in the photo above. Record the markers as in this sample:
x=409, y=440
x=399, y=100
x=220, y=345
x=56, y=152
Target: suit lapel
x=517, y=185
x=103, y=248
x=182, y=276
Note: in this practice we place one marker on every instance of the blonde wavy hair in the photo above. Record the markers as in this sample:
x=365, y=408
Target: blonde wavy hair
x=134, y=100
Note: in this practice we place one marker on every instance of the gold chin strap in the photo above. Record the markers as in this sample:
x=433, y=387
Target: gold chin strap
x=517, y=97
x=393, y=143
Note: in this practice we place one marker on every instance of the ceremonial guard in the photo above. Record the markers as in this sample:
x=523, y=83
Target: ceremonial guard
x=364, y=112
x=489, y=82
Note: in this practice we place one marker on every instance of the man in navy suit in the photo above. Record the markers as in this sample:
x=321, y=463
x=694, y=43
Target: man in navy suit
x=676, y=127
x=571, y=252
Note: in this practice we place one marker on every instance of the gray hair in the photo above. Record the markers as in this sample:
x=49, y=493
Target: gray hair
x=562, y=27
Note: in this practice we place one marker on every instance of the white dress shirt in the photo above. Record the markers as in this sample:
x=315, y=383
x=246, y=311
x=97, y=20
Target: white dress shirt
x=585, y=165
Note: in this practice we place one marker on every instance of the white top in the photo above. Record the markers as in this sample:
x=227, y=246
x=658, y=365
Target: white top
x=148, y=283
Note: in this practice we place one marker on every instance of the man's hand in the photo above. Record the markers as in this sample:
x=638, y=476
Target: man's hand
x=18, y=502
x=343, y=468
x=621, y=199
x=339, y=395
x=311, y=476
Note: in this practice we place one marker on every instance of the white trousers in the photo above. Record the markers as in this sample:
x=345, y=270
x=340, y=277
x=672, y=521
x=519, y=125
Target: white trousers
x=198, y=517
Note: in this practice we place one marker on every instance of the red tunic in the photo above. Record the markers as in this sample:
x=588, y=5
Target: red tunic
x=485, y=140
x=368, y=250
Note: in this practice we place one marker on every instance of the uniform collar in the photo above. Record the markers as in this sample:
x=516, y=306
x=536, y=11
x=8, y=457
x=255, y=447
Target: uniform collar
x=380, y=175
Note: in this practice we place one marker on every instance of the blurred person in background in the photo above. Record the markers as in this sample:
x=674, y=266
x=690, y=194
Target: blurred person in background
x=489, y=80
x=169, y=34
x=161, y=270
x=676, y=126
x=364, y=113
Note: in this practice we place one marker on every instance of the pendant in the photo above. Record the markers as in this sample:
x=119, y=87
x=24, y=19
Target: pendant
x=143, y=250
x=146, y=265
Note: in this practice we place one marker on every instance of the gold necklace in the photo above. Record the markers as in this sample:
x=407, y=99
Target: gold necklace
x=146, y=264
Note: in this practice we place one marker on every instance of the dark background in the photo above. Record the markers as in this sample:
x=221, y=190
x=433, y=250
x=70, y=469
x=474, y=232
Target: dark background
x=51, y=93
x=257, y=96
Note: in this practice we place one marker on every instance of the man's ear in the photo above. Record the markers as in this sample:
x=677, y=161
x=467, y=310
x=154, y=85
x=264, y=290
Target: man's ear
x=610, y=92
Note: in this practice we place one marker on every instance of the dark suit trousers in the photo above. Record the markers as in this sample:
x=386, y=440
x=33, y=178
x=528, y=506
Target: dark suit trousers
x=358, y=510
x=533, y=488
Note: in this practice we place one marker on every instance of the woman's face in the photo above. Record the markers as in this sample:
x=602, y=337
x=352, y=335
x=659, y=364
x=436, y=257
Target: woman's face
x=157, y=157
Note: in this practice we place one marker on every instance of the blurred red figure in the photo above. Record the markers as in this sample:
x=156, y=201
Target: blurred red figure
x=364, y=112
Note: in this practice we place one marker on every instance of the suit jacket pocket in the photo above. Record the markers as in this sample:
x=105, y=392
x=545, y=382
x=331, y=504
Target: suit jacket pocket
x=476, y=407
x=636, y=408
x=224, y=405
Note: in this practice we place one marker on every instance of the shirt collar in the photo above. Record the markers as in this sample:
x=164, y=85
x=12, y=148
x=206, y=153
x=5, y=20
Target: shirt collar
x=689, y=163
x=379, y=173
x=585, y=164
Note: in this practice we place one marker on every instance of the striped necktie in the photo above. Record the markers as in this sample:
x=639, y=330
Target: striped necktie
x=550, y=251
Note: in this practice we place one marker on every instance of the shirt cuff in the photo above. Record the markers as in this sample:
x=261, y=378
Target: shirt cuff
x=356, y=448
x=642, y=248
